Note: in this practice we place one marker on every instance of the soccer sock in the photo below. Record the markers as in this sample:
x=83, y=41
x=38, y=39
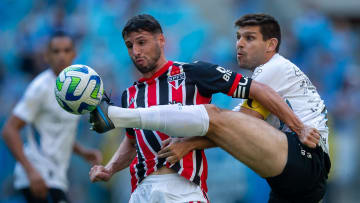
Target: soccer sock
x=173, y=120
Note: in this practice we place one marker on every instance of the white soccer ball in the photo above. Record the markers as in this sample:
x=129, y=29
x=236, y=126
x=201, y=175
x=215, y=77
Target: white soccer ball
x=78, y=89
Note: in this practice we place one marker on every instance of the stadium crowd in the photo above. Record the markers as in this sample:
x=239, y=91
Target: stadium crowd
x=324, y=46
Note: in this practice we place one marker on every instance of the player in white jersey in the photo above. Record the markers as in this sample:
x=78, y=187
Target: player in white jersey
x=298, y=92
x=293, y=163
x=42, y=163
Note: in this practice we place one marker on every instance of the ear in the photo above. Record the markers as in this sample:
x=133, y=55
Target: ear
x=271, y=45
x=162, y=40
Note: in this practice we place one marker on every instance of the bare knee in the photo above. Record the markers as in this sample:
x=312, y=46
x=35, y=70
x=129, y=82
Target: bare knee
x=215, y=117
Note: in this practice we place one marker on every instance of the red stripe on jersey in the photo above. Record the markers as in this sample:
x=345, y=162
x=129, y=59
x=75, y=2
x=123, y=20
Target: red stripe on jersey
x=148, y=154
x=235, y=84
x=201, y=99
x=176, y=88
x=129, y=136
x=204, y=174
x=131, y=103
x=188, y=165
x=134, y=180
x=151, y=93
x=162, y=136
x=132, y=95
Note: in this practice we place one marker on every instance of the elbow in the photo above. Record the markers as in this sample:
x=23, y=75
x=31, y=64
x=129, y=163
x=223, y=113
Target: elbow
x=6, y=131
x=258, y=89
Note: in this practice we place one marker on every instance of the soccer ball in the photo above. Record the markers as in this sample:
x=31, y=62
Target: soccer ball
x=78, y=89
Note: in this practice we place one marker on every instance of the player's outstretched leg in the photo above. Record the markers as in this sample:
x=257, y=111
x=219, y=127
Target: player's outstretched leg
x=250, y=140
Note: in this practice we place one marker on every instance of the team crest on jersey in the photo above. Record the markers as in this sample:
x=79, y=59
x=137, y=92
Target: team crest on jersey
x=176, y=77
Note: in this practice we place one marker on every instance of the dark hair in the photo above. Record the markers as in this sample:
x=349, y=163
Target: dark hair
x=269, y=27
x=142, y=22
x=59, y=34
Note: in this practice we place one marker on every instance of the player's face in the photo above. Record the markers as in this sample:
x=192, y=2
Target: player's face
x=250, y=47
x=60, y=53
x=145, y=49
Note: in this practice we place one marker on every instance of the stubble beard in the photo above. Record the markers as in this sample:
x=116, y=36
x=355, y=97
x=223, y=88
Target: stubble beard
x=151, y=65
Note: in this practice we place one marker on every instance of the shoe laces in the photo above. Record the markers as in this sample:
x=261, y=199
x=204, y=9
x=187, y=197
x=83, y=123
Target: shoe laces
x=107, y=99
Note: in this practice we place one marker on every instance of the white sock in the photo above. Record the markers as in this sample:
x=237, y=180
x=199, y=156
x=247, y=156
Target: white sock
x=173, y=120
x=124, y=118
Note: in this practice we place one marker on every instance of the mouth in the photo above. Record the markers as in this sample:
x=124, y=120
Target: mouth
x=240, y=54
x=139, y=60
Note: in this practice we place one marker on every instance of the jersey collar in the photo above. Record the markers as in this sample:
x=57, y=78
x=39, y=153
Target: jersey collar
x=158, y=73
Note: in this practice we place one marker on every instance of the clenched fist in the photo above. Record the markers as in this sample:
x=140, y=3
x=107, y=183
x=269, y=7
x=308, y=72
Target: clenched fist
x=100, y=173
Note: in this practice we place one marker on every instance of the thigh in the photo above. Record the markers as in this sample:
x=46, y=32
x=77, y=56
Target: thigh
x=250, y=140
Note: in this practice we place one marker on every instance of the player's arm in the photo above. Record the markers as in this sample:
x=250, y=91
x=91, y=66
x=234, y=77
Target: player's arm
x=12, y=138
x=120, y=160
x=174, y=149
x=275, y=104
x=93, y=156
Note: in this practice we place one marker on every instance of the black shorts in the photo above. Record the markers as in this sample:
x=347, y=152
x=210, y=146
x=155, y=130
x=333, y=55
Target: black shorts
x=304, y=176
x=54, y=196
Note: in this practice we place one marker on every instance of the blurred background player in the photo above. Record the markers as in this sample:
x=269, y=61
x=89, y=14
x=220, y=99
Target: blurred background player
x=41, y=170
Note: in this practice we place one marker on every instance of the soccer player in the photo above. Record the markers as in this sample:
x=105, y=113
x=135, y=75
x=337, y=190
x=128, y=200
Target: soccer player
x=42, y=163
x=292, y=160
x=166, y=82
x=254, y=33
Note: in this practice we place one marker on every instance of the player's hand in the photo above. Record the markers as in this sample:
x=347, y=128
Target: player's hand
x=93, y=156
x=38, y=186
x=309, y=136
x=99, y=173
x=174, y=149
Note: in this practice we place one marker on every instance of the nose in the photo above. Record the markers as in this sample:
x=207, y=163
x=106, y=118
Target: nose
x=240, y=43
x=136, y=50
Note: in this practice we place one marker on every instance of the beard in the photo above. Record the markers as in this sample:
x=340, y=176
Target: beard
x=151, y=62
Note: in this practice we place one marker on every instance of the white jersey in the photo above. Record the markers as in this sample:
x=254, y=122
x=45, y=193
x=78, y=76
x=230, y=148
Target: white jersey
x=298, y=92
x=50, y=136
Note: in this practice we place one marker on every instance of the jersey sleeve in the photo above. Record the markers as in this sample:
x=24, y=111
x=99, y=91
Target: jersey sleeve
x=30, y=104
x=130, y=133
x=211, y=79
x=272, y=74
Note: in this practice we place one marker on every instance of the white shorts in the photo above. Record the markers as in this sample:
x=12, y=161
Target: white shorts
x=168, y=188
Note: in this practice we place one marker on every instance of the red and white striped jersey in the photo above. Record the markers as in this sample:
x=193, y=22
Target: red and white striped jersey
x=187, y=84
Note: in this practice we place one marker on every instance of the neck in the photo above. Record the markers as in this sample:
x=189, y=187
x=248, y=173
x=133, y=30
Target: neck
x=159, y=64
x=267, y=58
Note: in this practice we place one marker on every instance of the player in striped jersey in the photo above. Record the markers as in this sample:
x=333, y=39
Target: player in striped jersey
x=167, y=82
x=295, y=166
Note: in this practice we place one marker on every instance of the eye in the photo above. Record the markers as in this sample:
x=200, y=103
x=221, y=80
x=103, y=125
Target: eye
x=141, y=42
x=129, y=45
x=238, y=36
x=250, y=38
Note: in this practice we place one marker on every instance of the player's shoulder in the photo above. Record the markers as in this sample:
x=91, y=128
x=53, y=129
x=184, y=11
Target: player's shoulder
x=277, y=64
x=42, y=81
x=194, y=65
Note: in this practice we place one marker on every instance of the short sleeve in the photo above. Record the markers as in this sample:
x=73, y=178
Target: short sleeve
x=30, y=104
x=271, y=74
x=130, y=133
x=211, y=78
